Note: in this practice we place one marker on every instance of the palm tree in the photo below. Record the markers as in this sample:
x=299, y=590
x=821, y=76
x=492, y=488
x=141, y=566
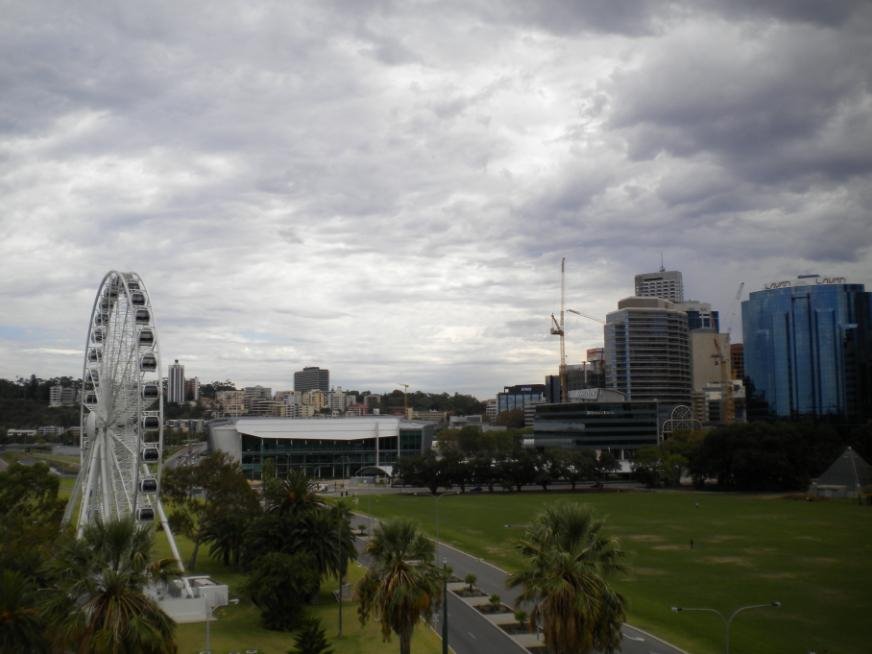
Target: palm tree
x=98, y=603
x=567, y=562
x=293, y=495
x=402, y=584
x=21, y=627
x=311, y=639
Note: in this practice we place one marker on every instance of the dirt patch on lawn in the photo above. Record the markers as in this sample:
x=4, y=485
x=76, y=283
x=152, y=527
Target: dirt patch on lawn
x=648, y=572
x=775, y=576
x=669, y=548
x=644, y=538
x=757, y=551
x=722, y=538
x=729, y=560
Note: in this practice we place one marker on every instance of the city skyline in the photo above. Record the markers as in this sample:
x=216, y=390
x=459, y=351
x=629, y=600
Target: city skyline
x=387, y=192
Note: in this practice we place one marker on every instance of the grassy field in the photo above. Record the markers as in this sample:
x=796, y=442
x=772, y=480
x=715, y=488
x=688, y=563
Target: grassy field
x=816, y=558
x=237, y=628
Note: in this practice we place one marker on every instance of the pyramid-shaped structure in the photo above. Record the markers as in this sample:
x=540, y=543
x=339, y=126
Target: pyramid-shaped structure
x=849, y=470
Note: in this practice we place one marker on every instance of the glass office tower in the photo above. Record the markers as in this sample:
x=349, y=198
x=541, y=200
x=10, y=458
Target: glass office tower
x=807, y=346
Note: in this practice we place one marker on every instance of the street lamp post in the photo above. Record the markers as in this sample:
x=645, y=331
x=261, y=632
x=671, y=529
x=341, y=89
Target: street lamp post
x=444, y=606
x=728, y=620
x=208, y=608
x=340, y=560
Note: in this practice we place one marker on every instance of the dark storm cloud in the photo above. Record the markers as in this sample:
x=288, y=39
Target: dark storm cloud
x=775, y=104
x=390, y=186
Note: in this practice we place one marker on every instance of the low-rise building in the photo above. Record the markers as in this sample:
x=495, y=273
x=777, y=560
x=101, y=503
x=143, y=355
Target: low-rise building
x=602, y=420
x=330, y=448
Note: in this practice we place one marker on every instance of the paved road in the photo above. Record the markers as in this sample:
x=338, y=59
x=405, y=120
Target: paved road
x=471, y=633
x=468, y=631
x=181, y=457
x=492, y=580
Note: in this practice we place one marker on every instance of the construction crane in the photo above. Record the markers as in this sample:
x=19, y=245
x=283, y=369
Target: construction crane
x=405, y=401
x=557, y=329
x=584, y=315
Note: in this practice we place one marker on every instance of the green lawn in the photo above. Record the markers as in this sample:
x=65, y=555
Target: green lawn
x=814, y=557
x=238, y=627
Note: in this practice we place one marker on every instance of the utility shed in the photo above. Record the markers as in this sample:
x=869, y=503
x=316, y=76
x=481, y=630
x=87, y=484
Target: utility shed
x=846, y=477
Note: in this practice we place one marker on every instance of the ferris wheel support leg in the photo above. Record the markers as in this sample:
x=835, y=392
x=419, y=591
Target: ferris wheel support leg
x=89, y=488
x=109, y=509
x=169, y=534
x=72, y=501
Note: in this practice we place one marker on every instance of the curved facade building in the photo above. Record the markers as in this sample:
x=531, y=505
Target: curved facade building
x=648, y=351
x=807, y=346
x=333, y=448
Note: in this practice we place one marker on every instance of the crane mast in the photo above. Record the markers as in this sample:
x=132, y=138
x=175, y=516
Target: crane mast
x=557, y=329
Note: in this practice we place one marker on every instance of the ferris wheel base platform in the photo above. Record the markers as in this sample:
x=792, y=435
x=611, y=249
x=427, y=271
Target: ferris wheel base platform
x=205, y=596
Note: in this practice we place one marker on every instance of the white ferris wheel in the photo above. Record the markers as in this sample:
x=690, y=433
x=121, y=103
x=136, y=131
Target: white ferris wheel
x=121, y=410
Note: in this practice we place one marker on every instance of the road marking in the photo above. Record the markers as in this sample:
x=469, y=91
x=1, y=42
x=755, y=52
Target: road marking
x=472, y=635
x=638, y=639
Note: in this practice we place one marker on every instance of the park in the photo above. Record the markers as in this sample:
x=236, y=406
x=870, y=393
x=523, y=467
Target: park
x=697, y=549
x=684, y=549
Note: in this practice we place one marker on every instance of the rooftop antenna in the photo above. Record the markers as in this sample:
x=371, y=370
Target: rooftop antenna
x=662, y=269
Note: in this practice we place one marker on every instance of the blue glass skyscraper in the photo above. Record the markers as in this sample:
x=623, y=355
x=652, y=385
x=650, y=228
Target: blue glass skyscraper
x=807, y=345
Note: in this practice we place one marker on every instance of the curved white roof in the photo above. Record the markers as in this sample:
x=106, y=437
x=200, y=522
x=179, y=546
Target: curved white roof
x=339, y=429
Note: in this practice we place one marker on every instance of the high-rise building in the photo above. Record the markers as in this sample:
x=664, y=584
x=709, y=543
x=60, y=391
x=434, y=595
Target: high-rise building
x=310, y=378
x=700, y=315
x=517, y=397
x=176, y=383
x=336, y=400
x=647, y=351
x=808, y=347
x=666, y=284
x=192, y=389
x=232, y=403
x=737, y=360
x=254, y=394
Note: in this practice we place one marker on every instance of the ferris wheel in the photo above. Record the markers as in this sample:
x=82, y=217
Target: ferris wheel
x=121, y=410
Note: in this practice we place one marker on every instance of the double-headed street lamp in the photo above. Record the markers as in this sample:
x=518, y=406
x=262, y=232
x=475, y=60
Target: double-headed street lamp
x=728, y=620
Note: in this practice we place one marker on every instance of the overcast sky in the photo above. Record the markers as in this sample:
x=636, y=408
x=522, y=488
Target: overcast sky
x=386, y=189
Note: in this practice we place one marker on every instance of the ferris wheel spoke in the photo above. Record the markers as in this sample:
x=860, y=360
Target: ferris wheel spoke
x=123, y=443
x=124, y=486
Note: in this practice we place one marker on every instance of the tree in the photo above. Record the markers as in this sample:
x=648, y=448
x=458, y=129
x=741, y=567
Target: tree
x=481, y=469
x=280, y=586
x=213, y=503
x=97, y=603
x=579, y=465
x=513, y=419
x=311, y=639
x=567, y=561
x=518, y=470
x=605, y=464
x=21, y=626
x=30, y=514
x=425, y=470
x=402, y=585
x=299, y=521
x=455, y=470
